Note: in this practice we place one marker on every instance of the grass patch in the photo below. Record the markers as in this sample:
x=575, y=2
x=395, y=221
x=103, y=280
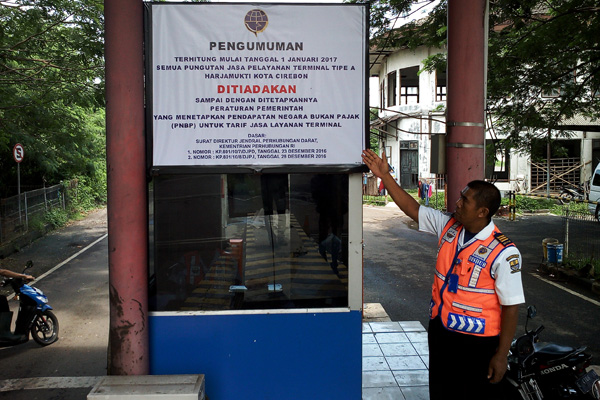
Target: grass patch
x=526, y=203
x=586, y=266
x=437, y=201
x=375, y=200
x=57, y=217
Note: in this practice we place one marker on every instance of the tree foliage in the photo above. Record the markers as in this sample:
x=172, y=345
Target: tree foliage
x=536, y=47
x=539, y=48
x=51, y=89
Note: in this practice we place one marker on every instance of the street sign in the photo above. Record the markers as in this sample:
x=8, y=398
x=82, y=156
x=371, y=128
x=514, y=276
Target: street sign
x=18, y=152
x=18, y=155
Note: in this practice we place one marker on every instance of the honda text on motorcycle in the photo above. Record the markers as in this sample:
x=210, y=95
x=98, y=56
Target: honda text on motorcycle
x=34, y=316
x=540, y=370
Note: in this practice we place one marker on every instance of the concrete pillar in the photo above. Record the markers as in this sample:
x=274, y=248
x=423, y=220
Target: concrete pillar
x=466, y=94
x=127, y=204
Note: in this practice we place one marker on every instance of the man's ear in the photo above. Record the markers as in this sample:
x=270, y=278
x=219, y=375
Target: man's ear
x=484, y=212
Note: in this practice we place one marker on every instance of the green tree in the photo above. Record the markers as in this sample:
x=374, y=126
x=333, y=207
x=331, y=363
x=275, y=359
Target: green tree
x=51, y=89
x=536, y=48
x=374, y=134
x=541, y=48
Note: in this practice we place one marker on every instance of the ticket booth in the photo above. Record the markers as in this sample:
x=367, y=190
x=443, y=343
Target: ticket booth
x=257, y=116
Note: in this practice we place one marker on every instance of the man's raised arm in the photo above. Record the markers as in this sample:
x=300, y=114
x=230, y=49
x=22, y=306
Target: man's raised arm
x=379, y=168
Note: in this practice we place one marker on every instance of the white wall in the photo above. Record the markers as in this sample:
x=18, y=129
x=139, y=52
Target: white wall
x=394, y=62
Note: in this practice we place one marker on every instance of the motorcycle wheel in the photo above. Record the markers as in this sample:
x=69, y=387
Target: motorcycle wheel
x=565, y=198
x=45, y=328
x=595, y=392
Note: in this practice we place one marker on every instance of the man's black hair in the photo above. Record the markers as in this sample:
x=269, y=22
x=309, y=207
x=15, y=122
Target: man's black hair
x=486, y=195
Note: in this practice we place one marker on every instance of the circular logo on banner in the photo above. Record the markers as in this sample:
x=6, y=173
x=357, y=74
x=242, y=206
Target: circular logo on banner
x=256, y=21
x=18, y=152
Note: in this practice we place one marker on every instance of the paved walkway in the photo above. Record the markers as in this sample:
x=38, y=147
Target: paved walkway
x=395, y=357
x=395, y=361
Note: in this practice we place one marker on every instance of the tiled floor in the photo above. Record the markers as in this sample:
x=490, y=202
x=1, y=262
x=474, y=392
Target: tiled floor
x=395, y=361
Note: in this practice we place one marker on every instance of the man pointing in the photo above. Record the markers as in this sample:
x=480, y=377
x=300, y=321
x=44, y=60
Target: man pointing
x=476, y=290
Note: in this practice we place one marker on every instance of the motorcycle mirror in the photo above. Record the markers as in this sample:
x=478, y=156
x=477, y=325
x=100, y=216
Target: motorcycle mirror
x=531, y=312
x=28, y=265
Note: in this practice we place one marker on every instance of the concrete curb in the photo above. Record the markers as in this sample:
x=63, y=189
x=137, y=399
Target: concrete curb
x=374, y=312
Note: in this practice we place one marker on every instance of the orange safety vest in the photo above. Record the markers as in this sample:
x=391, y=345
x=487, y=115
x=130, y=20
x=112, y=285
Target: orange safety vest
x=464, y=294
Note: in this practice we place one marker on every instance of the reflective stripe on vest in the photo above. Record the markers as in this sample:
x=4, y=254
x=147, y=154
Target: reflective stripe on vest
x=474, y=308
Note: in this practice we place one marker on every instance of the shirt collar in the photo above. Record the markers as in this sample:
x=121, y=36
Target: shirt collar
x=481, y=235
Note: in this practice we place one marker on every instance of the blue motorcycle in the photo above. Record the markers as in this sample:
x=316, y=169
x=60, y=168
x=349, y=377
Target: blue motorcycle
x=35, y=315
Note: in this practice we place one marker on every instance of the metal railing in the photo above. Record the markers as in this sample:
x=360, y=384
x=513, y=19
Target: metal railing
x=581, y=234
x=17, y=212
x=376, y=200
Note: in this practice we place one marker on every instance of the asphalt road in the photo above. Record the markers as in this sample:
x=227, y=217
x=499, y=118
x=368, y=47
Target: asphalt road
x=399, y=263
x=78, y=292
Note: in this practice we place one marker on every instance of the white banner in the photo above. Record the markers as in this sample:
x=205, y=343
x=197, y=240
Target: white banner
x=258, y=84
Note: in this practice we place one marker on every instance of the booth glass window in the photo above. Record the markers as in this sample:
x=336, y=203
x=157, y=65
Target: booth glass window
x=248, y=241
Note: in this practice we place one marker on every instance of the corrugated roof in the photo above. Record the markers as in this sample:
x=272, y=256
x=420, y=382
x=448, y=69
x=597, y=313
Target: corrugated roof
x=580, y=123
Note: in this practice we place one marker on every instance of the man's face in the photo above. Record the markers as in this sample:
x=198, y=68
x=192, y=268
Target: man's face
x=467, y=210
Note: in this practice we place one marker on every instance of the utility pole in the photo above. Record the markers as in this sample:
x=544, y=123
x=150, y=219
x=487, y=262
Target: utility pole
x=466, y=74
x=127, y=199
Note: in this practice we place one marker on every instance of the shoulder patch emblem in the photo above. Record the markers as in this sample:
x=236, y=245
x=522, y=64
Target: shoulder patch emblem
x=499, y=236
x=513, y=261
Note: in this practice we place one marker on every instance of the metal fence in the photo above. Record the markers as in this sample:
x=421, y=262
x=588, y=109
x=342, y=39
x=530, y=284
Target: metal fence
x=581, y=235
x=18, y=212
x=376, y=200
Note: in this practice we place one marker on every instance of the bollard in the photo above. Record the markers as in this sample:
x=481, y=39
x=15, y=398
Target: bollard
x=512, y=205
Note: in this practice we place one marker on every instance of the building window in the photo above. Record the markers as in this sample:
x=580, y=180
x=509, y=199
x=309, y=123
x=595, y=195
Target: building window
x=409, y=86
x=381, y=96
x=440, y=85
x=391, y=93
x=497, y=166
x=595, y=152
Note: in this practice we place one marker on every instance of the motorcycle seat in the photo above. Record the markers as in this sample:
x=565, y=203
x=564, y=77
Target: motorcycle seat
x=552, y=350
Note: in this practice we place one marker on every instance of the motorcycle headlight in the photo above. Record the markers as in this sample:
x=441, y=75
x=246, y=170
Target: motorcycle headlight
x=42, y=299
x=524, y=347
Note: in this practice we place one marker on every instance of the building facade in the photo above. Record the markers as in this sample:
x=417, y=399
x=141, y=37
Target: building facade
x=410, y=125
